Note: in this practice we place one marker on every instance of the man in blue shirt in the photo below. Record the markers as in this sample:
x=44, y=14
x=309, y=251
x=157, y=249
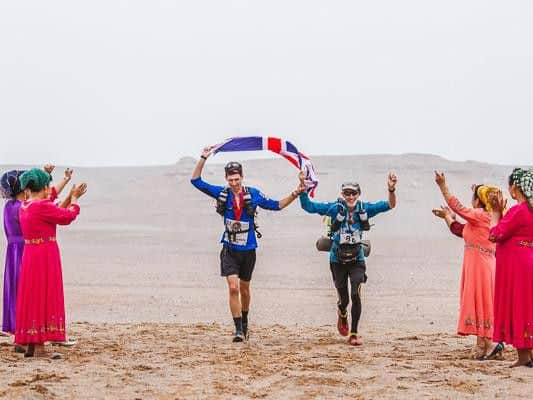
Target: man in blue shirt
x=238, y=204
x=350, y=218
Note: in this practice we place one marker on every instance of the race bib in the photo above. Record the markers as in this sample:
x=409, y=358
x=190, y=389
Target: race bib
x=237, y=232
x=349, y=238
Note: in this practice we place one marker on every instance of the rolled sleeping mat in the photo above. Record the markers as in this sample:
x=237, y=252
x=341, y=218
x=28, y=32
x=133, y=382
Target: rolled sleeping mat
x=324, y=244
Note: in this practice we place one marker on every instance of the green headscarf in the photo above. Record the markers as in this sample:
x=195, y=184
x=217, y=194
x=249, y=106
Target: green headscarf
x=523, y=178
x=37, y=177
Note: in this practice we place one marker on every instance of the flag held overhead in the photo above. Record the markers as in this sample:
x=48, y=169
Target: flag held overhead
x=277, y=145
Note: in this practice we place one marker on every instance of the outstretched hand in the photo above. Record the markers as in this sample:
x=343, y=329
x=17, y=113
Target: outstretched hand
x=443, y=212
x=392, y=179
x=440, y=179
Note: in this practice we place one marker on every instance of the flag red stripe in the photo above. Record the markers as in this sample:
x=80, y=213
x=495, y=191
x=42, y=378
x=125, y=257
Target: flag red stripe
x=292, y=161
x=274, y=144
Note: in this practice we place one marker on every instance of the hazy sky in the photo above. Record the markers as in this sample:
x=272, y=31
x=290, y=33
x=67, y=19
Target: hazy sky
x=146, y=82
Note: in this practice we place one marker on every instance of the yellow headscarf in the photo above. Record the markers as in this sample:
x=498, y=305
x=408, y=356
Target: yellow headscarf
x=483, y=192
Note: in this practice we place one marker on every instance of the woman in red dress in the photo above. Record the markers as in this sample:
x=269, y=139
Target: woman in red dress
x=40, y=315
x=513, y=297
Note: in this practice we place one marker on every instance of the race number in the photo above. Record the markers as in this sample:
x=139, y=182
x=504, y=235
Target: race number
x=349, y=238
x=237, y=232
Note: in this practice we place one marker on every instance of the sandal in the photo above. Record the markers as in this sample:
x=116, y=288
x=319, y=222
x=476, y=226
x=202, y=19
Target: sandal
x=496, y=353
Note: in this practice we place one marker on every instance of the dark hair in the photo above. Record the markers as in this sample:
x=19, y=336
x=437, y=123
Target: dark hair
x=34, y=186
x=476, y=196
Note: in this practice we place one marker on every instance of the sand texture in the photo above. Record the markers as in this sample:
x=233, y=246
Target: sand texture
x=145, y=300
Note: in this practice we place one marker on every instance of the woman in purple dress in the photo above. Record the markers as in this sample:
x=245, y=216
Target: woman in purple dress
x=15, y=245
x=10, y=188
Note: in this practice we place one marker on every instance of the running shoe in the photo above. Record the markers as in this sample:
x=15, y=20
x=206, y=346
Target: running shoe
x=342, y=323
x=239, y=337
x=353, y=340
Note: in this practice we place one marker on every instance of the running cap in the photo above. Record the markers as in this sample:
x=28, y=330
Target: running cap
x=233, y=167
x=351, y=186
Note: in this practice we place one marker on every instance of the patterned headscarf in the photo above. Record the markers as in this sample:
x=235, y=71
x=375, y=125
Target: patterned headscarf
x=483, y=192
x=10, y=183
x=523, y=178
x=39, y=178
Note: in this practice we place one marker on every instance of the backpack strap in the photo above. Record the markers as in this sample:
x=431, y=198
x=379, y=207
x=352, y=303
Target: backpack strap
x=222, y=201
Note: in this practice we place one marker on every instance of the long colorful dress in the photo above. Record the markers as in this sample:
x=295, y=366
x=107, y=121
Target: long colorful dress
x=477, y=279
x=40, y=302
x=15, y=247
x=513, y=298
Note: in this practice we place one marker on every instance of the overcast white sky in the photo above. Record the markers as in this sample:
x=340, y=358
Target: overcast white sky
x=146, y=82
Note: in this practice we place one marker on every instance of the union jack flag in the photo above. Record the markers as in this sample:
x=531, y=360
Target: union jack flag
x=277, y=145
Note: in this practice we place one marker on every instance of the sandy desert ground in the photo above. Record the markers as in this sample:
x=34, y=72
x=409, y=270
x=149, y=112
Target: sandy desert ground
x=146, y=303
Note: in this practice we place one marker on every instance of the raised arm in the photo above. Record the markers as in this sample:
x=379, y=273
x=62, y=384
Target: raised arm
x=440, y=180
x=59, y=186
x=291, y=197
x=314, y=207
x=63, y=216
x=391, y=183
x=472, y=215
x=67, y=200
x=197, y=172
x=450, y=218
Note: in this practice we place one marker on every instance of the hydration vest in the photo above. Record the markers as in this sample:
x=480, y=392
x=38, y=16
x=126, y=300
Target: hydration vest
x=222, y=206
x=340, y=219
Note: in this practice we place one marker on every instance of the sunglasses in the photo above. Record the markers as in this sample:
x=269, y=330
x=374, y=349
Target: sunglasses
x=233, y=166
x=349, y=193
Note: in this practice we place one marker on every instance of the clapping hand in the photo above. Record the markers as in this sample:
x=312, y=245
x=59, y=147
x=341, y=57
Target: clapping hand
x=497, y=201
x=443, y=212
x=49, y=168
x=68, y=173
x=78, y=190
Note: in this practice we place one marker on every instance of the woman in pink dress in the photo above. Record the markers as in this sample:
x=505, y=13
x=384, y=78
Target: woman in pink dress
x=40, y=314
x=513, y=234
x=477, y=278
x=10, y=188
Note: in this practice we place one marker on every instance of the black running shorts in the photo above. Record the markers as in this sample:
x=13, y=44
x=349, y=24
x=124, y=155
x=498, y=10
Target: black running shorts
x=233, y=262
